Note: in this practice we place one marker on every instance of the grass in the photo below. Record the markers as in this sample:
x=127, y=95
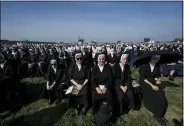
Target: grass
x=38, y=113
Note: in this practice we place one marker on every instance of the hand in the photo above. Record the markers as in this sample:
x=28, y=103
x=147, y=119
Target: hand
x=98, y=90
x=158, y=82
x=123, y=88
x=104, y=90
x=156, y=88
x=79, y=87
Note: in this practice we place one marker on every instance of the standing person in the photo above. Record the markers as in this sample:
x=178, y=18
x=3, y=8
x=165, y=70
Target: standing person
x=101, y=81
x=79, y=77
x=153, y=96
x=123, y=84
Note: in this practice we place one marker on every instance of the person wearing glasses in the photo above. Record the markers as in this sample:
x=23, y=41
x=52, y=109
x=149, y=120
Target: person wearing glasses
x=54, y=74
x=79, y=77
x=101, y=82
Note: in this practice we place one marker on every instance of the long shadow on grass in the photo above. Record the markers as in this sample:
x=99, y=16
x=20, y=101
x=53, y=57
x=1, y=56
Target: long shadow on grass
x=34, y=91
x=45, y=117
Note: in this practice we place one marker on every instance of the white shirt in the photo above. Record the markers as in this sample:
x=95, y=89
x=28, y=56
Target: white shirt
x=79, y=66
x=101, y=67
x=152, y=67
x=122, y=66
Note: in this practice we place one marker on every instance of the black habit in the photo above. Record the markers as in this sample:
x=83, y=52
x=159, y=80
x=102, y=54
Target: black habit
x=101, y=78
x=155, y=101
x=79, y=76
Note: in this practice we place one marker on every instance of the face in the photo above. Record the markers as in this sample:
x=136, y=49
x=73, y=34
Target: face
x=123, y=61
x=78, y=60
x=101, y=60
x=53, y=64
x=155, y=59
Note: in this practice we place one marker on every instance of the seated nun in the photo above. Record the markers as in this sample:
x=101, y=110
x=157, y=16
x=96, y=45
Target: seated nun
x=32, y=63
x=123, y=84
x=42, y=63
x=112, y=57
x=79, y=76
x=54, y=85
x=153, y=95
x=101, y=83
x=23, y=67
x=5, y=67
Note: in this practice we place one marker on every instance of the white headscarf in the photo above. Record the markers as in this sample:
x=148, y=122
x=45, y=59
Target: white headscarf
x=124, y=56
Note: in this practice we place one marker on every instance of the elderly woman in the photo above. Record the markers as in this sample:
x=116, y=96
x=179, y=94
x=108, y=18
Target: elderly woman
x=54, y=75
x=101, y=81
x=123, y=84
x=153, y=96
x=79, y=77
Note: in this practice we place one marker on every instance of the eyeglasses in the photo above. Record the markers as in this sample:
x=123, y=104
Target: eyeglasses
x=78, y=58
x=53, y=64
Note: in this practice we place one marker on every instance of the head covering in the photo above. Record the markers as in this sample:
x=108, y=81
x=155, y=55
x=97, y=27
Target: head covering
x=101, y=55
x=124, y=56
x=78, y=54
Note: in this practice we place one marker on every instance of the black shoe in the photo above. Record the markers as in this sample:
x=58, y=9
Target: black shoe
x=160, y=121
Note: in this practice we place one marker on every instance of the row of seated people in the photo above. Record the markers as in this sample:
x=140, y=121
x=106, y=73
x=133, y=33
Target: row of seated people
x=103, y=82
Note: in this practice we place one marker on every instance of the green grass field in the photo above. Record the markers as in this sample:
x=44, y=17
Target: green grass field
x=38, y=113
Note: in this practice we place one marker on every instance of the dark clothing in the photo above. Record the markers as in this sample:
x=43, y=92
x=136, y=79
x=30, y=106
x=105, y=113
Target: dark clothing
x=43, y=64
x=123, y=78
x=113, y=59
x=101, y=78
x=79, y=76
x=155, y=101
x=32, y=69
x=58, y=78
x=6, y=70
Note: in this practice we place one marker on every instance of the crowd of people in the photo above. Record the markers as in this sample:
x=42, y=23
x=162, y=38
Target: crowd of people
x=101, y=73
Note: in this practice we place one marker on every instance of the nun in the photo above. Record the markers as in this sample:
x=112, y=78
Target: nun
x=153, y=95
x=54, y=75
x=79, y=75
x=63, y=57
x=123, y=84
x=5, y=66
x=43, y=61
x=101, y=83
x=23, y=67
x=32, y=63
x=112, y=58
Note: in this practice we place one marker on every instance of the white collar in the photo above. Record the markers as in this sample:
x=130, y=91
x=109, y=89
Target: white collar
x=122, y=66
x=101, y=67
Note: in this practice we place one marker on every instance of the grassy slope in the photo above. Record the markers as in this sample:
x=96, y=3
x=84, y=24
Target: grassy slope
x=39, y=113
